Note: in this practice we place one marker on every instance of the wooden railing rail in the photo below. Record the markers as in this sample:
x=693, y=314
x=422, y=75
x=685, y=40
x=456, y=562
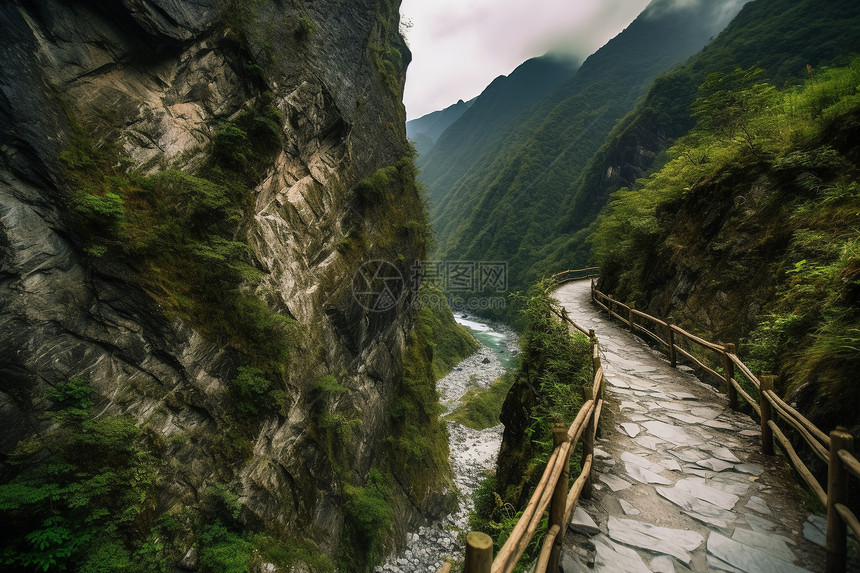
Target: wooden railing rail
x=834, y=450
x=551, y=493
x=574, y=275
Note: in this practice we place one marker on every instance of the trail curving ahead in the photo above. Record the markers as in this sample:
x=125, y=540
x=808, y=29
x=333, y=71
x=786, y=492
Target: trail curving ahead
x=680, y=483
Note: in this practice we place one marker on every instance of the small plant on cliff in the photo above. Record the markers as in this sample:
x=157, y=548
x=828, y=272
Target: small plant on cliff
x=368, y=519
x=253, y=393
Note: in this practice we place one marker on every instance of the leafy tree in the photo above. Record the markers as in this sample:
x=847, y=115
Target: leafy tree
x=253, y=393
x=734, y=105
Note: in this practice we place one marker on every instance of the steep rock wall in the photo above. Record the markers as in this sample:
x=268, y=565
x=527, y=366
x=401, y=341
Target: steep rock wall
x=156, y=79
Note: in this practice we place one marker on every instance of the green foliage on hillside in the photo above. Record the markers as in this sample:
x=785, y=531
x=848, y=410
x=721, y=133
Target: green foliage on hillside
x=226, y=545
x=78, y=491
x=503, y=206
x=479, y=130
x=760, y=203
x=388, y=49
x=368, y=518
x=781, y=37
x=554, y=366
x=81, y=495
x=373, y=226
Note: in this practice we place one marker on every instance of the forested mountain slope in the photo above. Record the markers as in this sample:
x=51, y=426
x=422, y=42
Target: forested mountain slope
x=492, y=116
x=502, y=207
x=424, y=131
x=781, y=37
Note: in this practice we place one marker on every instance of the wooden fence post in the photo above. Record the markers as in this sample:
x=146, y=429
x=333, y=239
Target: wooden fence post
x=766, y=415
x=559, y=499
x=729, y=372
x=588, y=439
x=837, y=477
x=630, y=317
x=479, y=553
x=673, y=356
x=592, y=290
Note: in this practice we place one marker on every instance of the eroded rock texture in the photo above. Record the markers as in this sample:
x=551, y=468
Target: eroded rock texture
x=158, y=77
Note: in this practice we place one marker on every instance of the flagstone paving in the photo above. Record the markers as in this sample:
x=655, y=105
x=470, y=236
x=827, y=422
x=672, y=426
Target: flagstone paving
x=680, y=483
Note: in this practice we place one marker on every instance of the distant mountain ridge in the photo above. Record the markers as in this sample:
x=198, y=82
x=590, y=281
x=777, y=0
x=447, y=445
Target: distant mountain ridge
x=501, y=206
x=424, y=131
x=489, y=119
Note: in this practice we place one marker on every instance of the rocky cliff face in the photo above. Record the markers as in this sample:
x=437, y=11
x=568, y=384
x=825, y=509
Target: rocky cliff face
x=156, y=81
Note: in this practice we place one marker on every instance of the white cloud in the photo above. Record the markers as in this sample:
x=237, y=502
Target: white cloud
x=460, y=46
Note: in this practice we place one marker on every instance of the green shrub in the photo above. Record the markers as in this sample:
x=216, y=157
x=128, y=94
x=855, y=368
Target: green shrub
x=224, y=551
x=251, y=392
x=480, y=407
x=231, y=148
x=329, y=383
x=107, y=209
x=79, y=489
x=291, y=552
x=388, y=61
x=368, y=516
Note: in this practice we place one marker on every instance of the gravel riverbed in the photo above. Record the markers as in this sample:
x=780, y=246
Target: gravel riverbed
x=472, y=452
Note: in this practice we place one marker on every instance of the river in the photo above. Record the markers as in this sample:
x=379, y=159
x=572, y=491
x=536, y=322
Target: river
x=472, y=452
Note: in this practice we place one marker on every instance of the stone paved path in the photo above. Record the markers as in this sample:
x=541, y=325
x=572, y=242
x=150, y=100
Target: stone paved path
x=680, y=483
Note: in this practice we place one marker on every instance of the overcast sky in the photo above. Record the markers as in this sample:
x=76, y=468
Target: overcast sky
x=460, y=46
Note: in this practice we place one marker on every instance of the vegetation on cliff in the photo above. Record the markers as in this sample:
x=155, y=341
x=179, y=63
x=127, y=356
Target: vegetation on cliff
x=83, y=496
x=160, y=204
x=752, y=220
x=183, y=232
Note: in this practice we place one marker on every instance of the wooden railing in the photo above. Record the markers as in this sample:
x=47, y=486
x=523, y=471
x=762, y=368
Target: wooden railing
x=834, y=450
x=551, y=493
x=574, y=275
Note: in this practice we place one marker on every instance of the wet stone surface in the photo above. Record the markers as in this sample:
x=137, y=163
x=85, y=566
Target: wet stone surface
x=680, y=483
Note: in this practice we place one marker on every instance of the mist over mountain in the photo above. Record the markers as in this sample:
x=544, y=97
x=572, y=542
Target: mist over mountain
x=498, y=205
x=424, y=131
